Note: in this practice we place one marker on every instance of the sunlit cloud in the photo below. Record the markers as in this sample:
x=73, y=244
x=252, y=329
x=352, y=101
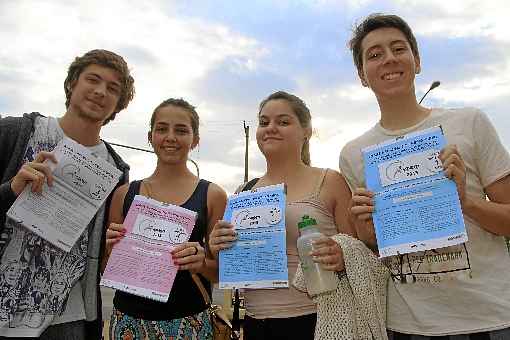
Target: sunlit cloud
x=226, y=57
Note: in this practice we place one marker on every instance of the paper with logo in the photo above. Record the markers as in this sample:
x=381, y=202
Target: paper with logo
x=258, y=259
x=60, y=214
x=141, y=263
x=416, y=207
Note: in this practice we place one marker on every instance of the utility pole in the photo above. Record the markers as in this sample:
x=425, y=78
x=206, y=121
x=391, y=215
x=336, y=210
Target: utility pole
x=236, y=322
x=247, y=137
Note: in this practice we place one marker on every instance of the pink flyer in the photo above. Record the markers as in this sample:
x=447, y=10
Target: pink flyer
x=141, y=263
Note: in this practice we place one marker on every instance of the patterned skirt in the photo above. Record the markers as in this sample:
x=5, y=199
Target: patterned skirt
x=195, y=327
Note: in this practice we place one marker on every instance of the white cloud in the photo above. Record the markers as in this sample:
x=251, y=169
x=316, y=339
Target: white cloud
x=166, y=53
x=477, y=90
x=229, y=177
x=459, y=18
x=169, y=54
x=324, y=151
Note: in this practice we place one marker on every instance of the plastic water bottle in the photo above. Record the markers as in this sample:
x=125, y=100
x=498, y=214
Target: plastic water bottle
x=318, y=280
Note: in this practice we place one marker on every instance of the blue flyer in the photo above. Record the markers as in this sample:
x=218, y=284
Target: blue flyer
x=416, y=207
x=258, y=259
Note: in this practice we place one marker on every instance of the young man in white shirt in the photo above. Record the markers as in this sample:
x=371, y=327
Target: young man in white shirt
x=458, y=292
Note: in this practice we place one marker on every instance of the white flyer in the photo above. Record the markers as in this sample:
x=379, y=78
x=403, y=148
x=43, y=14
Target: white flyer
x=61, y=213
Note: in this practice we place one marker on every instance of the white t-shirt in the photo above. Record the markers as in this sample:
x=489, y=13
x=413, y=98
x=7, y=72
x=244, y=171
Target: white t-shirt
x=459, y=289
x=39, y=285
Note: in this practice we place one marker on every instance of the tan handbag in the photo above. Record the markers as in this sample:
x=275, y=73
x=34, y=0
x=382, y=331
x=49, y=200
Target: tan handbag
x=221, y=325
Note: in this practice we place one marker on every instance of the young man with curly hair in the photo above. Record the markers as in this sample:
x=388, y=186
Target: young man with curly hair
x=97, y=87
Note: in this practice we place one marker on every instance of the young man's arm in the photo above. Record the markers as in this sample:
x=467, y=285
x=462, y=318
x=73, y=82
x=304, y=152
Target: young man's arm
x=7, y=196
x=7, y=139
x=493, y=170
x=492, y=215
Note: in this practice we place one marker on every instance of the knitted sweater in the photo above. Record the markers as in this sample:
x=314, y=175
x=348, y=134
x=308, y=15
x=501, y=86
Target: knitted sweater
x=357, y=308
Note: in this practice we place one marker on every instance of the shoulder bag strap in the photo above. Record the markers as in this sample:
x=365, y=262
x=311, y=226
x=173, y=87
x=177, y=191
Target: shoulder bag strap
x=201, y=288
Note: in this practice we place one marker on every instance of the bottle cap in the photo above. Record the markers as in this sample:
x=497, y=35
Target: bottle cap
x=306, y=221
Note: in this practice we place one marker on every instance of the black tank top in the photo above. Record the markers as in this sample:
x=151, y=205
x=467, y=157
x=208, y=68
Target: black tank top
x=185, y=299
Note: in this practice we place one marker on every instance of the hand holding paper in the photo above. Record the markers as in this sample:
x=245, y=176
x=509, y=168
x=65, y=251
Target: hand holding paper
x=188, y=256
x=37, y=173
x=362, y=204
x=362, y=207
x=454, y=168
x=114, y=234
x=222, y=237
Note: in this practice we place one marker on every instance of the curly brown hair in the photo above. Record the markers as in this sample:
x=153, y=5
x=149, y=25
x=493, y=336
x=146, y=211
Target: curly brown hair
x=107, y=59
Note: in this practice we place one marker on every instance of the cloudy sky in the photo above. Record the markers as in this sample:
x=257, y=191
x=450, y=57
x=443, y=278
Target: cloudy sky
x=226, y=56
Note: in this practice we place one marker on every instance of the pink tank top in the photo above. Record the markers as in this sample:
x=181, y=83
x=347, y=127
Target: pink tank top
x=289, y=302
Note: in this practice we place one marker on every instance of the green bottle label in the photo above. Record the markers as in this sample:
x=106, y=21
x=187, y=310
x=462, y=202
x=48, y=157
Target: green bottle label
x=306, y=221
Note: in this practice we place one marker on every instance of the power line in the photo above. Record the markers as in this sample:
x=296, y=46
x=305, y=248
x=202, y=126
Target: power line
x=131, y=147
x=151, y=151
